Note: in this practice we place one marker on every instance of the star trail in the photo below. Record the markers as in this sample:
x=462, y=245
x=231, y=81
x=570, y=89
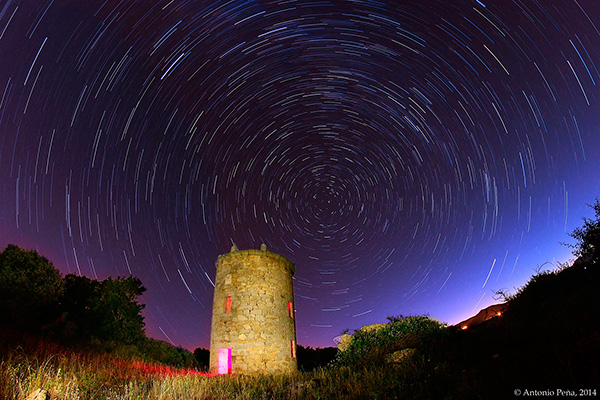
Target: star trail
x=409, y=157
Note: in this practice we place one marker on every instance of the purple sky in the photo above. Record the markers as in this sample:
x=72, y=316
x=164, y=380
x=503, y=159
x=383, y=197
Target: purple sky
x=409, y=157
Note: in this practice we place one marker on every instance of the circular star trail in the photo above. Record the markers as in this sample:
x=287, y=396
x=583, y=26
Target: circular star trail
x=408, y=157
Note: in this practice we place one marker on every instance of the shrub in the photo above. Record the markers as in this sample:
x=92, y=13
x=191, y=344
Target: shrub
x=310, y=358
x=157, y=351
x=370, y=346
x=202, y=357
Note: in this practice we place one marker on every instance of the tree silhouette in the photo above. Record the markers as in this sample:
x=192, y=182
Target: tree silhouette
x=588, y=236
x=30, y=287
x=80, y=320
x=107, y=310
x=116, y=311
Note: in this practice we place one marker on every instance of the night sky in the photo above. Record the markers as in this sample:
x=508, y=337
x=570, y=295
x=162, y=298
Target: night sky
x=408, y=157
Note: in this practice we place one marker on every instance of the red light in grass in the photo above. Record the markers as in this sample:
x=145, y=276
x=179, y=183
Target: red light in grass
x=290, y=310
x=158, y=369
x=224, y=362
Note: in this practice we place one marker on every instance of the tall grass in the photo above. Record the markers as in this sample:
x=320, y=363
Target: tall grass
x=57, y=373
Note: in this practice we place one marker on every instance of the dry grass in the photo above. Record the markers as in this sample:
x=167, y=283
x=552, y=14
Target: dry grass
x=48, y=371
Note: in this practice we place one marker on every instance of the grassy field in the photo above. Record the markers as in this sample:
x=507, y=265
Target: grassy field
x=73, y=377
x=39, y=370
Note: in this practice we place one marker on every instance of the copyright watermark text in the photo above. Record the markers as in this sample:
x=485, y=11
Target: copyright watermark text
x=556, y=392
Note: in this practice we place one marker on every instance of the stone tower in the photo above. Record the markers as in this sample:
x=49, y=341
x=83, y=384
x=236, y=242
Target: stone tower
x=253, y=323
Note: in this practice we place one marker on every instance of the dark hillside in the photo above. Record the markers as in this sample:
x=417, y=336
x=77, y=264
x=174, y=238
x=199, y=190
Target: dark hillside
x=549, y=336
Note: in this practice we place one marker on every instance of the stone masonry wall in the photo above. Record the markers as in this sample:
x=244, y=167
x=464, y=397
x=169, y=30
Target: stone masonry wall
x=258, y=328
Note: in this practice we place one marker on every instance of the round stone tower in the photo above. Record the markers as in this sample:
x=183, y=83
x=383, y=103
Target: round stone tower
x=253, y=323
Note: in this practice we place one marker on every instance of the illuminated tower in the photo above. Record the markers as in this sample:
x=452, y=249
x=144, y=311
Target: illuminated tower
x=253, y=323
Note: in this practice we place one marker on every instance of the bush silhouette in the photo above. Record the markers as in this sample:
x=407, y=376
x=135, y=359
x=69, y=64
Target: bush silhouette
x=310, y=358
x=162, y=352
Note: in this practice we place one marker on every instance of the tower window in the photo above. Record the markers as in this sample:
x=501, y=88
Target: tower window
x=290, y=310
x=228, y=305
x=292, y=342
